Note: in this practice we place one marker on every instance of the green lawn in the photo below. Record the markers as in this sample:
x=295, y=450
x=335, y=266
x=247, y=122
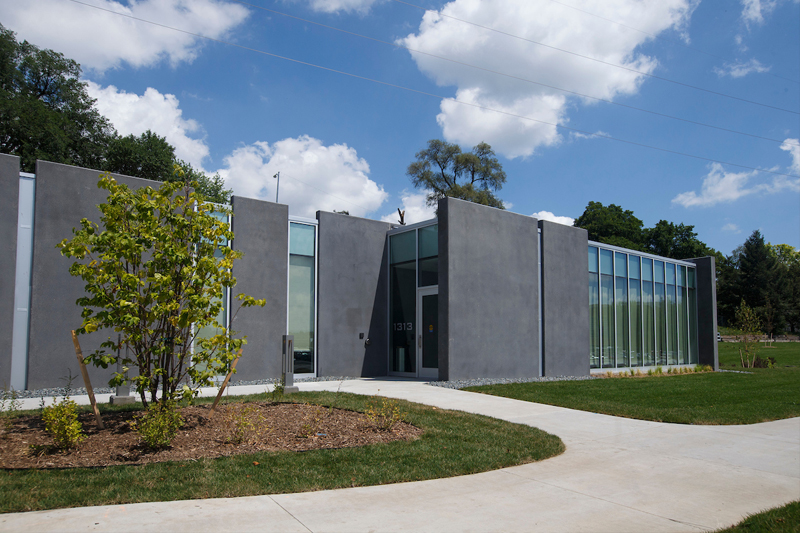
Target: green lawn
x=784, y=519
x=704, y=398
x=454, y=444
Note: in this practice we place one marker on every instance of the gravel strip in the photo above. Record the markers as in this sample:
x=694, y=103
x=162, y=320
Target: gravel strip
x=462, y=383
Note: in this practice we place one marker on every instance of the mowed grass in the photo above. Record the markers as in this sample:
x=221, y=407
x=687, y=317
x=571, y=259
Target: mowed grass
x=703, y=398
x=454, y=444
x=784, y=519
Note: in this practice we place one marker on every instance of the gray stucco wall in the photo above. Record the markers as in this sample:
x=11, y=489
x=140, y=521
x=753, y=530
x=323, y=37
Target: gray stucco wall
x=261, y=232
x=488, y=292
x=9, y=198
x=64, y=195
x=565, y=289
x=707, y=311
x=353, y=293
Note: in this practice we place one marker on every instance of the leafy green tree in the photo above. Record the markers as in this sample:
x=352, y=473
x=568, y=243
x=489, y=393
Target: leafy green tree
x=445, y=171
x=611, y=225
x=749, y=326
x=45, y=110
x=211, y=188
x=156, y=269
x=148, y=156
x=789, y=264
x=676, y=241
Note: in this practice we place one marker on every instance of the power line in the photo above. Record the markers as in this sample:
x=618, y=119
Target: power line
x=668, y=80
x=660, y=37
x=417, y=91
x=527, y=80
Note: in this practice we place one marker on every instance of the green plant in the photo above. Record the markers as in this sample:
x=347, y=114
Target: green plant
x=157, y=269
x=749, y=329
x=311, y=424
x=384, y=413
x=159, y=425
x=246, y=424
x=658, y=371
x=278, y=388
x=61, y=422
x=9, y=408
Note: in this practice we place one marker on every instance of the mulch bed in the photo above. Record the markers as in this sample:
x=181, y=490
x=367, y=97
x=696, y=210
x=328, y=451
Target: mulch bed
x=282, y=427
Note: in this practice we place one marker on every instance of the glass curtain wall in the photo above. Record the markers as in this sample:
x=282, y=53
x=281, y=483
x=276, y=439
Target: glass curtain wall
x=222, y=317
x=302, y=297
x=642, y=311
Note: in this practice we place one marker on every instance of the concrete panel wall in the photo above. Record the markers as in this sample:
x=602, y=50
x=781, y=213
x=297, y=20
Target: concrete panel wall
x=64, y=195
x=261, y=232
x=565, y=288
x=488, y=292
x=707, y=311
x=9, y=197
x=353, y=292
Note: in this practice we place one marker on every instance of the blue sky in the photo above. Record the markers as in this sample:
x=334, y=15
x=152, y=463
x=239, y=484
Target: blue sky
x=342, y=142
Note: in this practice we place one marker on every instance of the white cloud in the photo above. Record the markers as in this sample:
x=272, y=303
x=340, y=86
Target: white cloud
x=336, y=6
x=547, y=215
x=313, y=176
x=160, y=113
x=545, y=22
x=753, y=11
x=101, y=40
x=415, y=207
x=720, y=186
x=740, y=69
x=731, y=227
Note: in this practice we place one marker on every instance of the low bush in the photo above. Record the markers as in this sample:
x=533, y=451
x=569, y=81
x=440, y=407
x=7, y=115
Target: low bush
x=384, y=413
x=61, y=422
x=159, y=425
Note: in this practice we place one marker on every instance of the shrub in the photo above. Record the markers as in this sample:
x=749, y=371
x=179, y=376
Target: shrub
x=246, y=424
x=159, y=425
x=9, y=408
x=384, y=413
x=61, y=422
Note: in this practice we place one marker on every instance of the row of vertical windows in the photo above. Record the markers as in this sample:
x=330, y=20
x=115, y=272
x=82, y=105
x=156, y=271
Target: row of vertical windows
x=642, y=311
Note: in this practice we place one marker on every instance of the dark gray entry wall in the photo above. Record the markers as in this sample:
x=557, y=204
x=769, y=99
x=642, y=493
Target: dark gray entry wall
x=9, y=198
x=488, y=292
x=261, y=232
x=64, y=195
x=706, y=311
x=565, y=299
x=353, y=292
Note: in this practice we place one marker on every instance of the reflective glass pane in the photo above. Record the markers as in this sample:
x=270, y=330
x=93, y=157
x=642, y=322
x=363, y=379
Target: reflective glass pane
x=670, y=274
x=403, y=247
x=633, y=267
x=683, y=337
x=428, y=272
x=634, y=295
x=672, y=326
x=301, y=239
x=681, y=272
x=620, y=264
x=301, y=311
x=621, y=290
x=648, y=325
x=430, y=331
x=647, y=269
x=606, y=262
x=593, y=259
x=692, y=297
x=658, y=271
x=690, y=275
x=403, y=296
x=594, y=321
x=660, y=324
x=429, y=241
x=607, y=319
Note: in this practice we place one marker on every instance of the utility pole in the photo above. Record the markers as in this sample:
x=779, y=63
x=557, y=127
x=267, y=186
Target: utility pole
x=277, y=189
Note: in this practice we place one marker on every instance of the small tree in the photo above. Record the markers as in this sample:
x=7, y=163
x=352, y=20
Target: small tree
x=156, y=271
x=749, y=329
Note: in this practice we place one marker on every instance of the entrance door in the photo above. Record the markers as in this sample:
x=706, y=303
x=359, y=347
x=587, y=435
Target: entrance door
x=428, y=332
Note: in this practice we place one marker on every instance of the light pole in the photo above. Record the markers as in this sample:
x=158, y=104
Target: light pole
x=277, y=188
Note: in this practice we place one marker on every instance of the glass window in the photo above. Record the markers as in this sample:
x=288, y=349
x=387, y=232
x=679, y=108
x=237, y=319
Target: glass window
x=672, y=325
x=692, y=297
x=658, y=271
x=301, y=239
x=593, y=259
x=620, y=264
x=690, y=275
x=594, y=319
x=647, y=269
x=681, y=272
x=622, y=318
x=670, y=274
x=403, y=247
x=636, y=322
x=606, y=262
x=683, y=337
x=403, y=301
x=633, y=267
x=648, y=326
x=428, y=242
x=660, y=324
x=607, y=318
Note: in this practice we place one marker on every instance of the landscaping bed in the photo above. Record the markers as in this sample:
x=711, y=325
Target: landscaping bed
x=281, y=426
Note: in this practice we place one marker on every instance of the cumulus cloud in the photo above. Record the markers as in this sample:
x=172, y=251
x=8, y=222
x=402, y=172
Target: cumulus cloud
x=546, y=22
x=720, y=186
x=101, y=40
x=547, y=215
x=415, y=207
x=337, y=6
x=754, y=11
x=731, y=227
x=741, y=69
x=313, y=176
x=131, y=113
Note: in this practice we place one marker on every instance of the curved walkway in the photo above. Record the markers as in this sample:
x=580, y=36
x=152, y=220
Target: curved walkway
x=617, y=475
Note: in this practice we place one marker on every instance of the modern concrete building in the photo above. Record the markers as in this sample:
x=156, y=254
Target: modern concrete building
x=477, y=292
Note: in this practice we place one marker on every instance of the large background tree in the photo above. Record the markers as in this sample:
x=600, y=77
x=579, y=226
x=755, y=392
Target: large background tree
x=445, y=171
x=46, y=113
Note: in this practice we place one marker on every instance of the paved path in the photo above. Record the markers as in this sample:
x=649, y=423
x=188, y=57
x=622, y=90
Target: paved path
x=616, y=475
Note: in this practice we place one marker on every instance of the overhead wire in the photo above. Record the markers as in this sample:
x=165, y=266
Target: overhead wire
x=417, y=91
x=590, y=58
x=511, y=76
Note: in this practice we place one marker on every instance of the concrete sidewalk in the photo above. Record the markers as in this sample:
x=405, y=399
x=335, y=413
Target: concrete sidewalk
x=616, y=475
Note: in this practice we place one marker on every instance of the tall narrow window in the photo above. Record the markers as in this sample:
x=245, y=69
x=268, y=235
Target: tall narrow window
x=402, y=304
x=621, y=299
x=428, y=246
x=692, y=302
x=648, y=313
x=607, y=308
x=302, y=298
x=683, y=337
x=672, y=316
x=594, y=309
x=661, y=313
x=635, y=298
